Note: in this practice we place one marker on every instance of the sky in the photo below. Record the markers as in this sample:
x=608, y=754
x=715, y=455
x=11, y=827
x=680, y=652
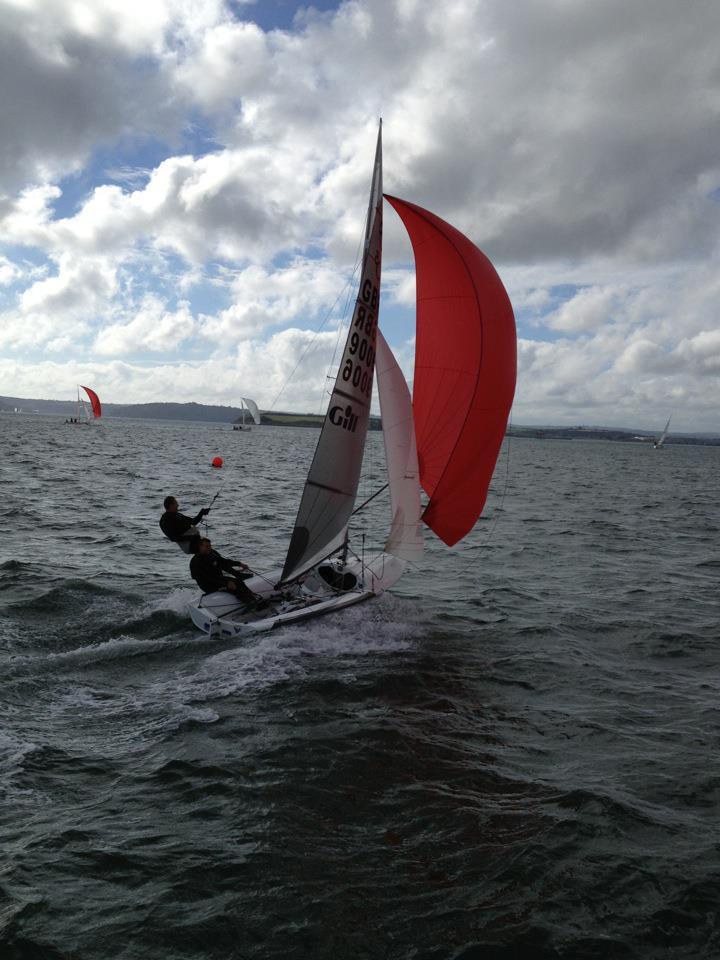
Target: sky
x=183, y=185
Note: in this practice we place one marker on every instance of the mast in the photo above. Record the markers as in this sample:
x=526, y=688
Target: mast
x=81, y=408
x=331, y=486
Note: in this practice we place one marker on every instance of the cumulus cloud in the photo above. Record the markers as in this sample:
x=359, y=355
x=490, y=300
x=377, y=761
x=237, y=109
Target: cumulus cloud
x=9, y=271
x=264, y=298
x=154, y=328
x=587, y=310
x=260, y=370
x=230, y=204
x=81, y=74
x=56, y=310
x=702, y=352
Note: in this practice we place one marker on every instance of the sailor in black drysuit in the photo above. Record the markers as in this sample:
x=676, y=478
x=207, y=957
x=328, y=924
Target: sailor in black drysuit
x=206, y=569
x=179, y=528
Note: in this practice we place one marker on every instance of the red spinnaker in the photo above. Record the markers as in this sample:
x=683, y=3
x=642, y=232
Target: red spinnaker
x=465, y=370
x=94, y=400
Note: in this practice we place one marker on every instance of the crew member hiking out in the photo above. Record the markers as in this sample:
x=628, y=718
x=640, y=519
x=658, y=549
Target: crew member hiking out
x=209, y=570
x=180, y=529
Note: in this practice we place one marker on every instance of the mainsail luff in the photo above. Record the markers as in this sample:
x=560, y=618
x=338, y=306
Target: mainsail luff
x=331, y=486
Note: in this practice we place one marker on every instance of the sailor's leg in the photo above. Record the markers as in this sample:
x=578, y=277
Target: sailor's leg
x=242, y=592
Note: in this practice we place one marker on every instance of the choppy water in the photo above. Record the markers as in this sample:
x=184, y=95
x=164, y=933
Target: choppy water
x=514, y=755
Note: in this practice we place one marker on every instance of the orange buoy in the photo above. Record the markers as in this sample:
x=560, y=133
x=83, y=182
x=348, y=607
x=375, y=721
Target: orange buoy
x=217, y=461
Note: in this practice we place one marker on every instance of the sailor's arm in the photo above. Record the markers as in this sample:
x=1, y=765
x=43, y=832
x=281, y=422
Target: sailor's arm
x=229, y=565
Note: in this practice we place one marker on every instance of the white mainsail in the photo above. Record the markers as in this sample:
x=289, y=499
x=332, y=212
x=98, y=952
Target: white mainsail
x=331, y=485
x=253, y=408
x=405, y=538
x=661, y=440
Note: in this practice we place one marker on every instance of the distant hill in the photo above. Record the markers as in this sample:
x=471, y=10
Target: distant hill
x=609, y=433
x=139, y=411
x=167, y=411
x=219, y=414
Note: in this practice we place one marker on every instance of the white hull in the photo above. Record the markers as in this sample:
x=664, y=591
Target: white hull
x=220, y=614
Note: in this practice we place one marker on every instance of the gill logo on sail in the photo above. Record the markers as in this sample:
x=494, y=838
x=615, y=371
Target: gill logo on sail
x=343, y=418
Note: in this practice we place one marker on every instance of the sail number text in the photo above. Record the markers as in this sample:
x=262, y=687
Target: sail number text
x=358, y=368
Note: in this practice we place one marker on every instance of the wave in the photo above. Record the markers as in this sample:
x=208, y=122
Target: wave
x=63, y=596
x=14, y=944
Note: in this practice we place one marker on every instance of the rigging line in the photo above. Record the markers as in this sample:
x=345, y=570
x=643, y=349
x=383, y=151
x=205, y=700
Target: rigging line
x=307, y=348
x=346, y=286
x=366, y=502
x=262, y=577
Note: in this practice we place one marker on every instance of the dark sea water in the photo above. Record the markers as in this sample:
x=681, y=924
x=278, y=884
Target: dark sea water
x=512, y=755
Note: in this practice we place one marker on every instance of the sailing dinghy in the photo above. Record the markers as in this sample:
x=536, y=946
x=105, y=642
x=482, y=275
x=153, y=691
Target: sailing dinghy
x=85, y=416
x=446, y=439
x=247, y=404
x=657, y=445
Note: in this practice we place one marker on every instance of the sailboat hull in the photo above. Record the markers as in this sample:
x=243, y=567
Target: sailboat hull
x=238, y=625
x=219, y=614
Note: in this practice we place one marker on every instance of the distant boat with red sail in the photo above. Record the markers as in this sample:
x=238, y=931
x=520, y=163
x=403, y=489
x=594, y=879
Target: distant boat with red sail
x=84, y=415
x=445, y=439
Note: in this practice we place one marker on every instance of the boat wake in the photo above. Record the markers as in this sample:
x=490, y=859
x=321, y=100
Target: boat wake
x=337, y=644
x=179, y=668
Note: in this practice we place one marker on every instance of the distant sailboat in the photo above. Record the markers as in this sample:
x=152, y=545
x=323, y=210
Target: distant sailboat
x=447, y=438
x=252, y=407
x=83, y=414
x=661, y=439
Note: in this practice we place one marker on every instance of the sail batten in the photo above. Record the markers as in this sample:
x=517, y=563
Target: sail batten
x=323, y=486
x=331, y=487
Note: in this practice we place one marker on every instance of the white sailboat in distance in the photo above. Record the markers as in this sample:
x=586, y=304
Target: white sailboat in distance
x=657, y=445
x=446, y=438
x=252, y=407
